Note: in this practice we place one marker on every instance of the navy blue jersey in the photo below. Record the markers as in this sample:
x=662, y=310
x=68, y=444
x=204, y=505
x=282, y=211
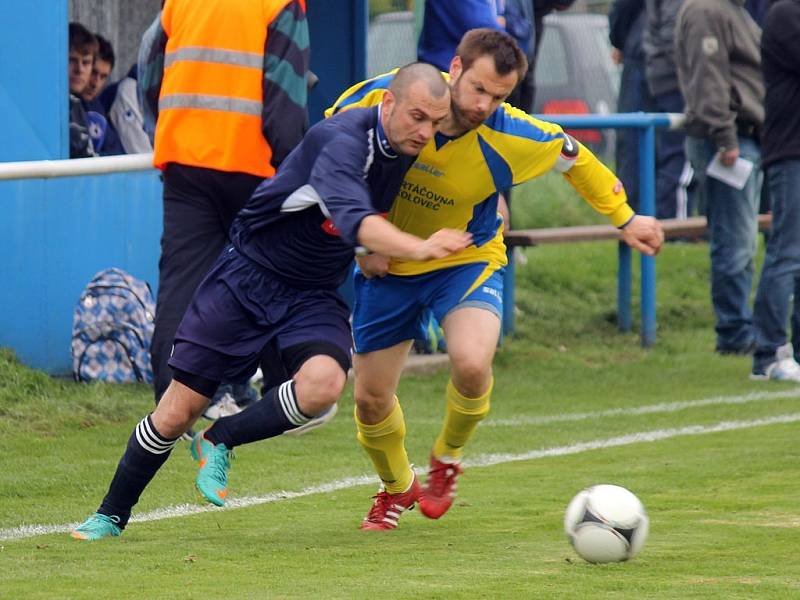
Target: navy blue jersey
x=302, y=224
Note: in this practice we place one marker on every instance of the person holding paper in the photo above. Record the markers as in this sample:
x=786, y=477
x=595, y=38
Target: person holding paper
x=719, y=71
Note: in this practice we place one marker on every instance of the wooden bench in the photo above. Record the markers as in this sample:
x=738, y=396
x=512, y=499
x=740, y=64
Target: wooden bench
x=693, y=227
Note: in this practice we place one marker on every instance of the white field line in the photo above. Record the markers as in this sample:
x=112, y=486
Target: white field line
x=666, y=407
x=26, y=531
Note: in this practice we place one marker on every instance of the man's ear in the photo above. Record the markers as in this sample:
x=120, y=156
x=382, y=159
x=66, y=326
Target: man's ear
x=388, y=102
x=456, y=68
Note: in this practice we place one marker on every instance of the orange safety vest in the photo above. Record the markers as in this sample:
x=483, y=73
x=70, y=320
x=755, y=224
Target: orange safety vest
x=211, y=96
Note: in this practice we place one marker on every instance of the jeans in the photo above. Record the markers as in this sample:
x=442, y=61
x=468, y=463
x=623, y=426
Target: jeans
x=779, y=275
x=732, y=227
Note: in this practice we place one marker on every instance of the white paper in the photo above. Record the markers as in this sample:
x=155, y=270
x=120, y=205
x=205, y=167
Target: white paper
x=735, y=176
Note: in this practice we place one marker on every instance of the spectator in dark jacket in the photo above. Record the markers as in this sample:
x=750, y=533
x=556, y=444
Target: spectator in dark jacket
x=104, y=137
x=780, y=63
x=673, y=172
x=626, y=27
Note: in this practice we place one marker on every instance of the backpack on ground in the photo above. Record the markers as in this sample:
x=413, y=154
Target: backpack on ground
x=112, y=329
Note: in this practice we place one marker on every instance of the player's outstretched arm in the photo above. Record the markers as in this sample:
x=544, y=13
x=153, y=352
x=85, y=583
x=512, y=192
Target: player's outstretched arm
x=595, y=182
x=378, y=235
x=644, y=234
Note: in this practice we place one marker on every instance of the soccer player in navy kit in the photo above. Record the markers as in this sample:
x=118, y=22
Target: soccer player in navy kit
x=292, y=246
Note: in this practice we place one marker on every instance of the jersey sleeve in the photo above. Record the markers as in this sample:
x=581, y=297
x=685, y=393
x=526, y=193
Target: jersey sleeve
x=364, y=94
x=284, y=116
x=599, y=186
x=528, y=146
x=531, y=147
x=338, y=178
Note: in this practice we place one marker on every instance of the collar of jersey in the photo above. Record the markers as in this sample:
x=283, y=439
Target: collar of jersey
x=383, y=142
x=440, y=139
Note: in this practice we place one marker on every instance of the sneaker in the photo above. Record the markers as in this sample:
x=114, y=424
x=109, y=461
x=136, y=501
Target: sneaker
x=785, y=351
x=224, y=407
x=212, y=477
x=387, y=508
x=785, y=369
x=440, y=491
x=317, y=421
x=97, y=527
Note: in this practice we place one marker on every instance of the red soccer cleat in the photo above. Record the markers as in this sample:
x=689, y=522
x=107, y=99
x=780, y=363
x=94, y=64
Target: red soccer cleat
x=387, y=508
x=439, y=493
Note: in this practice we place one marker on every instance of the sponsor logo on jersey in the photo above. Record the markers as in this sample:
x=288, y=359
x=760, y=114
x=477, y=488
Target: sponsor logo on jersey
x=427, y=169
x=329, y=228
x=492, y=292
x=423, y=196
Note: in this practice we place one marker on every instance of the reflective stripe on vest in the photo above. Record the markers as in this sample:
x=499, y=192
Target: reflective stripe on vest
x=207, y=102
x=215, y=55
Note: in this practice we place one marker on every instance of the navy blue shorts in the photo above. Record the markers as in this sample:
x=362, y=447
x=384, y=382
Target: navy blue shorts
x=240, y=307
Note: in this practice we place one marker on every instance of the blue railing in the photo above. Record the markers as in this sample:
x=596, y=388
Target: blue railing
x=646, y=123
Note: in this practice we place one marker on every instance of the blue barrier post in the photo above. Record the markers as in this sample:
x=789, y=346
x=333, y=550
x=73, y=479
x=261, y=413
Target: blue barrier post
x=647, y=124
x=509, y=297
x=647, y=193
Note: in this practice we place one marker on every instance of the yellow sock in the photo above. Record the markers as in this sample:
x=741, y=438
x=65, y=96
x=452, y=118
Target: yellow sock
x=461, y=418
x=383, y=443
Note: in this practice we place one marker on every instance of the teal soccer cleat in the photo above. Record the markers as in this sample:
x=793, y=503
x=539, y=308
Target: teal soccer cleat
x=212, y=478
x=97, y=527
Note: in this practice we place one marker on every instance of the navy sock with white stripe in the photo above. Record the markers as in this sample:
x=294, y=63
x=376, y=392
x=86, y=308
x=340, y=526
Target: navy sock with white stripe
x=147, y=450
x=275, y=413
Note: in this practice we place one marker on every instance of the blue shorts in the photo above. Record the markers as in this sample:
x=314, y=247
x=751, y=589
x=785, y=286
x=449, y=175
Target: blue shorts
x=387, y=310
x=241, y=307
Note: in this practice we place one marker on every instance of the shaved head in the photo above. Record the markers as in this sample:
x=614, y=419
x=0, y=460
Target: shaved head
x=410, y=74
x=414, y=106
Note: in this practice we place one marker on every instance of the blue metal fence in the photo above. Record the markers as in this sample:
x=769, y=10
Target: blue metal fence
x=646, y=124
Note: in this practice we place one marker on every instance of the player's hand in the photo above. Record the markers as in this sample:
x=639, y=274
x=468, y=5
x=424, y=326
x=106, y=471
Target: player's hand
x=373, y=265
x=644, y=234
x=442, y=243
x=728, y=157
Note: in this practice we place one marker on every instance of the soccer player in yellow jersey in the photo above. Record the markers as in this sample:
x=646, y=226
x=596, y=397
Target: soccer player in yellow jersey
x=483, y=146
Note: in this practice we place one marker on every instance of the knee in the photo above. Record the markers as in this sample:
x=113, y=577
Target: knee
x=472, y=376
x=172, y=419
x=319, y=388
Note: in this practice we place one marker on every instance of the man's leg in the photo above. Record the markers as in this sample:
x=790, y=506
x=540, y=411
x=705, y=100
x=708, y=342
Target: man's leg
x=192, y=240
x=320, y=373
x=199, y=207
x=148, y=448
x=733, y=238
x=381, y=432
x=471, y=334
x=778, y=275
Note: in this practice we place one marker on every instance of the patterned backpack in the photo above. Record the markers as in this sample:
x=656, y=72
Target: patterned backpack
x=112, y=329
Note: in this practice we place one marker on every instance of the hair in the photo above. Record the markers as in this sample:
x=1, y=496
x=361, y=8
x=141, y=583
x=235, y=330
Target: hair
x=105, y=51
x=497, y=44
x=417, y=71
x=81, y=39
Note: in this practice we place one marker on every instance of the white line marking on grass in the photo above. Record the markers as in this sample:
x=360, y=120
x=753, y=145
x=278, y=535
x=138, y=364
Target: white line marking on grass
x=666, y=407
x=182, y=510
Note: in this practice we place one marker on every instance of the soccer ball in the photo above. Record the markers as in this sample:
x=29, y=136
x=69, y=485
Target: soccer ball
x=606, y=523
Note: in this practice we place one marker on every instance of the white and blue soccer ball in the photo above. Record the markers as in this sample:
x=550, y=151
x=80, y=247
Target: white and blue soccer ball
x=606, y=523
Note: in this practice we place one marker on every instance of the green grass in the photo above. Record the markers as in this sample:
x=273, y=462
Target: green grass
x=723, y=506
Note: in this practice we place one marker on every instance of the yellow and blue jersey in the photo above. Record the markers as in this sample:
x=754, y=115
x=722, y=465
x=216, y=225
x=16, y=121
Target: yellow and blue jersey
x=454, y=181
